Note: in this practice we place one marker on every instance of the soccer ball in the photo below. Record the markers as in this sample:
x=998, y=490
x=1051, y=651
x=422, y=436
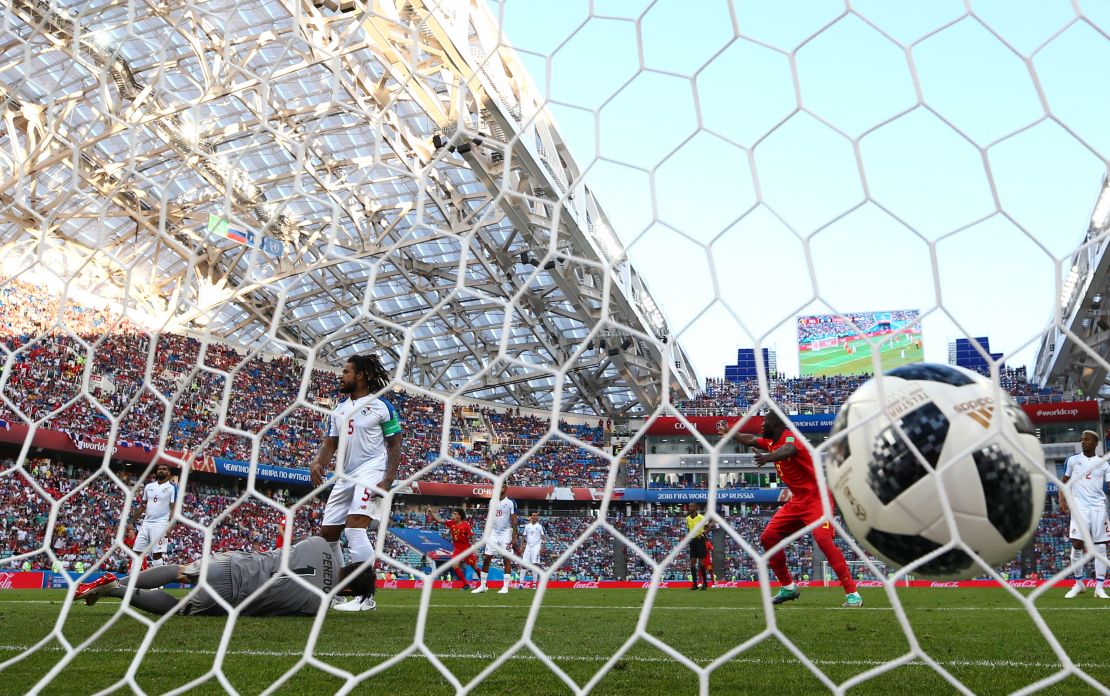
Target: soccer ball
x=987, y=461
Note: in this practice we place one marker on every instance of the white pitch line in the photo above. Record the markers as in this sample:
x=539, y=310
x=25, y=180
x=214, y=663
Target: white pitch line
x=528, y=657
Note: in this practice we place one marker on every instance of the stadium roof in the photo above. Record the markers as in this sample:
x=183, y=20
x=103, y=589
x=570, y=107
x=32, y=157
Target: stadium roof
x=1076, y=359
x=326, y=177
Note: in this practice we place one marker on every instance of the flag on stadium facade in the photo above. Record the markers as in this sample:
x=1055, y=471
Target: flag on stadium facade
x=219, y=227
x=5, y=424
x=144, y=446
x=272, y=246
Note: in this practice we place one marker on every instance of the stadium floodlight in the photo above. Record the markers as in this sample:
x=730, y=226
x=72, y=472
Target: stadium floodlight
x=652, y=313
x=1100, y=218
x=103, y=40
x=1067, y=289
x=211, y=295
x=611, y=247
x=189, y=131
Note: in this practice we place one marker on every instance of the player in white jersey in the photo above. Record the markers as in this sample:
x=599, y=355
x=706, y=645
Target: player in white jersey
x=159, y=495
x=364, y=436
x=1086, y=474
x=533, y=544
x=502, y=540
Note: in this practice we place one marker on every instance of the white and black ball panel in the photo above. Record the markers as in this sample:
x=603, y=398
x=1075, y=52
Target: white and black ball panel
x=963, y=496
x=849, y=482
x=860, y=506
x=902, y=549
x=1007, y=491
x=1018, y=417
x=839, y=450
x=907, y=516
x=895, y=466
x=980, y=536
x=933, y=372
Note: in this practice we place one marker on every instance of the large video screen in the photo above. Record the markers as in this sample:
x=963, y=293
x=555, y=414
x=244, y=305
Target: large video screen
x=829, y=344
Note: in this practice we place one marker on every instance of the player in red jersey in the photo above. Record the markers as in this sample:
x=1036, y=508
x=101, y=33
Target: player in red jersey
x=129, y=541
x=795, y=468
x=707, y=563
x=461, y=535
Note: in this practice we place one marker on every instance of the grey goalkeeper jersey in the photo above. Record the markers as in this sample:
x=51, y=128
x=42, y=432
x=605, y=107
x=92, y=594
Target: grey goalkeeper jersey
x=236, y=575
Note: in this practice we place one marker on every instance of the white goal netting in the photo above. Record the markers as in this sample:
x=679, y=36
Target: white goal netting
x=546, y=219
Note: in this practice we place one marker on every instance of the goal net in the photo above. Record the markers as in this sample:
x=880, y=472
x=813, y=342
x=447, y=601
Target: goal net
x=552, y=223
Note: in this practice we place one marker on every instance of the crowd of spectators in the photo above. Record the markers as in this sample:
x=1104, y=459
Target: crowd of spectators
x=819, y=328
x=187, y=392
x=160, y=382
x=824, y=394
x=85, y=528
x=86, y=524
x=829, y=326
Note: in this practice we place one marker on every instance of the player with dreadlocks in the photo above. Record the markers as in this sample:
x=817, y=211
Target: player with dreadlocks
x=364, y=436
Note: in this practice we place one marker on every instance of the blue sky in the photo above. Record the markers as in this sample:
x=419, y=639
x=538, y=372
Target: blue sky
x=746, y=197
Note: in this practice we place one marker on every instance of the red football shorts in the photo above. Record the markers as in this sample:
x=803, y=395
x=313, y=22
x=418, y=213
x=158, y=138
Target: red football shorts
x=794, y=515
x=464, y=561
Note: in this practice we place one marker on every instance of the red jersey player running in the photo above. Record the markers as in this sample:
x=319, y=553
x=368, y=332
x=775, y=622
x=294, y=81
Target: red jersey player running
x=795, y=468
x=461, y=535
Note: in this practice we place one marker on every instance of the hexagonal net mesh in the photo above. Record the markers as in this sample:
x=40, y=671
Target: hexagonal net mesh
x=211, y=207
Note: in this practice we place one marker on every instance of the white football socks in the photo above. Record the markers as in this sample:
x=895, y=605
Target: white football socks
x=358, y=543
x=1076, y=558
x=1100, y=564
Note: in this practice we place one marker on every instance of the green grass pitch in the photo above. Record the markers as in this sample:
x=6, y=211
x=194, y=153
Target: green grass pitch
x=983, y=637
x=835, y=360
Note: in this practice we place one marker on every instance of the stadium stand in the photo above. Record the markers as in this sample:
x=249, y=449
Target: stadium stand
x=87, y=522
x=263, y=389
x=814, y=394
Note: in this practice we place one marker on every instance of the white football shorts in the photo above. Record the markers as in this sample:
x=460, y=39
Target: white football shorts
x=532, y=554
x=354, y=497
x=151, y=534
x=1094, y=519
x=500, y=544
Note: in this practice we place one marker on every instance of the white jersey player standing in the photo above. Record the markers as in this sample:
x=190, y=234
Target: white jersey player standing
x=502, y=541
x=159, y=495
x=364, y=436
x=533, y=544
x=1087, y=474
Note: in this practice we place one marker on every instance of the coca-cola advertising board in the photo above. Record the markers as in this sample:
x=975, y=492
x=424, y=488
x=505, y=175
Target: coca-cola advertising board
x=19, y=580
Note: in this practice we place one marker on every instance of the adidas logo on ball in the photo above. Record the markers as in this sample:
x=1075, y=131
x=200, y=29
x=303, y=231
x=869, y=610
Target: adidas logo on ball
x=980, y=410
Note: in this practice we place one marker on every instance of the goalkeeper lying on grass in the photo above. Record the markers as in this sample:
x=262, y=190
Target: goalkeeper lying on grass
x=236, y=576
